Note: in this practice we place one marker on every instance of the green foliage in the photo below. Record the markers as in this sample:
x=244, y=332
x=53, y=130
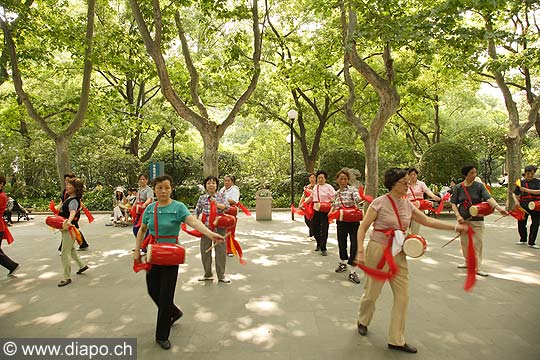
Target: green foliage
x=229, y=164
x=99, y=200
x=499, y=194
x=336, y=159
x=443, y=162
x=188, y=194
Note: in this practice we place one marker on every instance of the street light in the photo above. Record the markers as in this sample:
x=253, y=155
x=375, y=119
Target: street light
x=292, y=115
x=173, y=134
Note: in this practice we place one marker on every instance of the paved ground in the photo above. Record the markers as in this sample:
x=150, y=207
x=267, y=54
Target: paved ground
x=286, y=303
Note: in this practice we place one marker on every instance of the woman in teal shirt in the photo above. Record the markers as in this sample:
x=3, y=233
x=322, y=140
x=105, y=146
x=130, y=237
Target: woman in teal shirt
x=161, y=279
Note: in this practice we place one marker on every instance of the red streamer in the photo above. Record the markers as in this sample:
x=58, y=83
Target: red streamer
x=235, y=248
x=87, y=213
x=471, y=262
x=296, y=211
x=139, y=265
x=518, y=213
x=52, y=207
x=387, y=258
x=244, y=209
x=213, y=214
x=444, y=199
x=193, y=232
x=363, y=196
x=7, y=234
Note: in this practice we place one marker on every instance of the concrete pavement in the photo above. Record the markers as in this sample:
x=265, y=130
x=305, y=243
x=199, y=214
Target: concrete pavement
x=286, y=303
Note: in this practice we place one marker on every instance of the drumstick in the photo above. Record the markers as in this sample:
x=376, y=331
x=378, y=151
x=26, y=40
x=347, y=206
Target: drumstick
x=455, y=237
x=452, y=239
x=500, y=217
x=214, y=244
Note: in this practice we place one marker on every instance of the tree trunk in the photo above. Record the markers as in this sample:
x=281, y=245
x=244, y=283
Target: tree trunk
x=513, y=157
x=372, y=164
x=210, y=151
x=63, y=165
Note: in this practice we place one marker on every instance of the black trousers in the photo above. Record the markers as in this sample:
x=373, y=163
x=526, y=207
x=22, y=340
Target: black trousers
x=5, y=260
x=320, y=229
x=161, y=284
x=522, y=226
x=309, y=224
x=350, y=230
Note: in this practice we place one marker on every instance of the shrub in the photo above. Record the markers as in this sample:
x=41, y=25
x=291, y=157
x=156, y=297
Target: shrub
x=334, y=160
x=443, y=162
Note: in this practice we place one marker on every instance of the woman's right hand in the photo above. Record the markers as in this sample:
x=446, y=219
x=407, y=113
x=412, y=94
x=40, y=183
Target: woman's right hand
x=137, y=255
x=360, y=258
x=460, y=219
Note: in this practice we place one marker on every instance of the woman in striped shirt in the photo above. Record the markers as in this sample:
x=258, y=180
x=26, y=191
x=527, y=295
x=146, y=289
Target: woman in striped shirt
x=347, y=197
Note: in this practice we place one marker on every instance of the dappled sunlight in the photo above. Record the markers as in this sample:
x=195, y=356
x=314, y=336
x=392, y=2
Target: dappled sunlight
x=94, y=314
x=518, y=274
x=426, y=260
x=26, y=284
x=264, y=260
x=50, y=320
x=262, y=335
x=87, y=330
x=9, y=307
x=457, y=338
x=116, y=252
x=203, y=314
x=265, y=306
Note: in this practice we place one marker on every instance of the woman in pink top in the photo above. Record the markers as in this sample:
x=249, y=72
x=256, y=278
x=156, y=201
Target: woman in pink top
x=322, y=197
x=390, y=214
x=416, y=192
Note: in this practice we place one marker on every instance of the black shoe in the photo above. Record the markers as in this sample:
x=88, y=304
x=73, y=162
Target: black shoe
x=13, y=271
x=341, y=268
x=83, y=269
x=406, y=348
x=64, y=282
x=165, y=344
x=324, y=253
x=317, y=248
x=177, y=317
x=362, y=330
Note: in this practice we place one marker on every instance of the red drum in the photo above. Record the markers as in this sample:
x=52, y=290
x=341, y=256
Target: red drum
x=322, y=207
x=423, y=204
x=534, y=205
x=225, y=221
x=165, y=254
x=414, y=245
x=350, y=215
x=482, y=209
x=233, y=210
x=55, y=221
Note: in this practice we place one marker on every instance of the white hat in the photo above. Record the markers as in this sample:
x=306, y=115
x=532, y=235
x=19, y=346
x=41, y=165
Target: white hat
x=119, y=188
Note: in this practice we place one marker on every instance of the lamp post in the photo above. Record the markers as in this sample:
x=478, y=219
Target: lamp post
x=173, y=134
x=292, y=115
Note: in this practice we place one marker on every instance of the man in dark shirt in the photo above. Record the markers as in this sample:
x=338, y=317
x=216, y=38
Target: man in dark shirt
x=528, y=190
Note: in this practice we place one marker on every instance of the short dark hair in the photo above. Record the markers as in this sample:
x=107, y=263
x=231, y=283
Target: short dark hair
x=344, y=172
x=210, y=177
x=319, y=172
x=78, y=185
x=413, y=169
x=392, y=176
x=162, y=178
x=69, y=175
x=143, y=175
x=530, y=168
x=2, y=179
x=465, y=170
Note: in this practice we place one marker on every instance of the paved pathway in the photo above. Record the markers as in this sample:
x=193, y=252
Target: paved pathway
x=287, y=303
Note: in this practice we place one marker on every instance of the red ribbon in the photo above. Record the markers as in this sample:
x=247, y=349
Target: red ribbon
x=52, y=207
x=471, y=262
x=363, y=196
x=296, y=211
x=87, y=213
x=244, y=209
x=441, y=203
x=518, y=213
x=235, y=248
x=193, y=232
x=7, y=234
x=387, y=258
x=139, y=265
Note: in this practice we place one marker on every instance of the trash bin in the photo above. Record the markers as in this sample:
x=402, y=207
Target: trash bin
x=263, y=205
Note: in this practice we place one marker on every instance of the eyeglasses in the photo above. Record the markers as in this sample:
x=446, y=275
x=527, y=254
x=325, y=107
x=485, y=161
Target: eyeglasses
x=404, y=182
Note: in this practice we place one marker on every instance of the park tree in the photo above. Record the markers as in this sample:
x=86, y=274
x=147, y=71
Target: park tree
x=213, y=72
x=38, y=17
x=497, y=42
x=369, y=34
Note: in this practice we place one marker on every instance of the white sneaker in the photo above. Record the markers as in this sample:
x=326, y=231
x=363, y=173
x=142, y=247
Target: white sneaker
x=462, y=266
x=534, y=246
x=521, y=243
